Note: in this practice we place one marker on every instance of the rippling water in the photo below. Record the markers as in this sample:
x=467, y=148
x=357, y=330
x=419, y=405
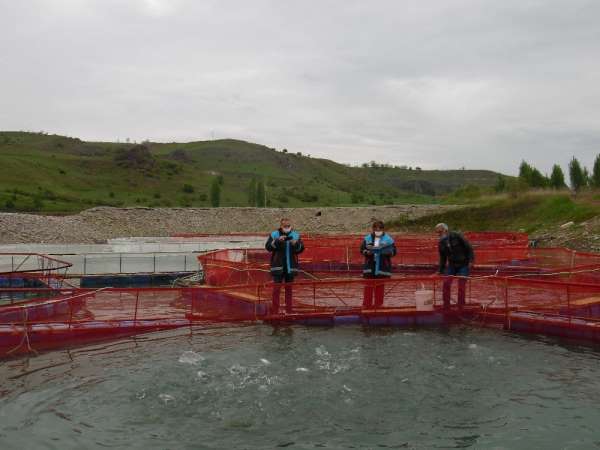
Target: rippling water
x=345, y=387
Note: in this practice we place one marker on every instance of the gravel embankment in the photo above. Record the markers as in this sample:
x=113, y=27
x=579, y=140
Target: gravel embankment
x=584, y=236
x=96, y=225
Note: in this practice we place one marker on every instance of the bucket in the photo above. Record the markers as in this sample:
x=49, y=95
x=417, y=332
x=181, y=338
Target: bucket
x=424, y=300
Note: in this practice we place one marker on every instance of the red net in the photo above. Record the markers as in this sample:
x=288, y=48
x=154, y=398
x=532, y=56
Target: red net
x=511, y=285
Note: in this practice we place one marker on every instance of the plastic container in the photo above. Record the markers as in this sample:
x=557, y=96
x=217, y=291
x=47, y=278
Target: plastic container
x=424, y=300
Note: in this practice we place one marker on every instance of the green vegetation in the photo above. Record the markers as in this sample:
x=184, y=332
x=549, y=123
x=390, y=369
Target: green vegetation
x=532, y=176
x=261, y=196
x=530, y=212
x=577, y=175
x=557, y=178
x=252, y=192
x=595, y=179
x=49, y=173
x=215, y=193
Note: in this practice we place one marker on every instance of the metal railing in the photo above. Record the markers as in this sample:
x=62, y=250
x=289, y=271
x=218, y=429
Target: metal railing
x=127, y=263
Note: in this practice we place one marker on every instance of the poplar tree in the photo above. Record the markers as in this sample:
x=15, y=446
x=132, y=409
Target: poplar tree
x=576, y=175
x=525, y=172
x=260, y=194
x=595, y=180
x=215, y=193
x=557, y=178
x=252, y=192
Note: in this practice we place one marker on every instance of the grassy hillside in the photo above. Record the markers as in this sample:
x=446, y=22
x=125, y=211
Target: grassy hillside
x=533, y=213
x=40, y=172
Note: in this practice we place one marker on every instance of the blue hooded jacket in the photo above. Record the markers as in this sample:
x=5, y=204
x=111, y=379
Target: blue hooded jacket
x=284, y=255
x=379, y=262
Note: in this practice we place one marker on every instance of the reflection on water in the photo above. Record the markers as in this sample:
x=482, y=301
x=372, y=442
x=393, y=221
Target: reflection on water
x=296, y=387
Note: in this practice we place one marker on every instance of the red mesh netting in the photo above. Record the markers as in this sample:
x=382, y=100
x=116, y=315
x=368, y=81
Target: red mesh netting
x=511, y=284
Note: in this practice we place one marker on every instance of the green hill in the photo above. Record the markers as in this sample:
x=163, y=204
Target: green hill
x=50, y=173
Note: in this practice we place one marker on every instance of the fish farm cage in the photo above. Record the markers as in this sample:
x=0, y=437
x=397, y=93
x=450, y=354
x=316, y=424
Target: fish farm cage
x=551, y=291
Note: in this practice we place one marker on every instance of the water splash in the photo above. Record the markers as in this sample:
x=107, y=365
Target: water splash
x=166, y=398
x=190, y=357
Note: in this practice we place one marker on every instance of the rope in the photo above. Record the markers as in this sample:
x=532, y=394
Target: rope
x=472, y=278
x=25, y=309
x=25, y=337
x=330, y=290
x=310, y=275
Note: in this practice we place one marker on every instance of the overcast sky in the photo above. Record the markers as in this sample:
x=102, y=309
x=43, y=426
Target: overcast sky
x=437, y=84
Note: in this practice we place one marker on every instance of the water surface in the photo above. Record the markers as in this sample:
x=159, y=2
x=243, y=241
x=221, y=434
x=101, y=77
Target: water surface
x=346, y=387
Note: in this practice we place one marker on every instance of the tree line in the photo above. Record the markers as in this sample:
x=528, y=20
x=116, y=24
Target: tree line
x=579, y=177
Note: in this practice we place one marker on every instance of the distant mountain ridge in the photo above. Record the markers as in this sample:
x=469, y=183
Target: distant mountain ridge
x=57, y=173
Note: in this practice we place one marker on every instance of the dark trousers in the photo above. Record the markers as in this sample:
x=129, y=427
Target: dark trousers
x=278, y=280
x=373, y=290
x=462, y=271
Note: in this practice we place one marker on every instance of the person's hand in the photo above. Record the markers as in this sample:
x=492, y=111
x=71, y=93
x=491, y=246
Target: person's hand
x=367, y=252
x=293, y=241
x=281, y=238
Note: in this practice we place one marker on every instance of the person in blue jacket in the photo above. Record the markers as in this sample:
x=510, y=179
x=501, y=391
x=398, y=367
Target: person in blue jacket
x=378, y=249
x=285, y=245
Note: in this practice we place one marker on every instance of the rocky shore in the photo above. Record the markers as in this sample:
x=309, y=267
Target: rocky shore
x=96, y=225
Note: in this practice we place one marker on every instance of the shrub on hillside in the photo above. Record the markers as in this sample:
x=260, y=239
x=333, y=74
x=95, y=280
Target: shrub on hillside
x=137, y=157
x=38, y=204
x=357, y=198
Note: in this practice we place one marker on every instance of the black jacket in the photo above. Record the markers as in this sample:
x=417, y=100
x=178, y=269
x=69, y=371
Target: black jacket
x=455, y=250
x=284, y=255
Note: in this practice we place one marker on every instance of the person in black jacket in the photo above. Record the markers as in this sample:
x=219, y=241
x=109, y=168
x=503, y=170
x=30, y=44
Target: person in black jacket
x=284, y=244
x=378, y=248
x=456, y=259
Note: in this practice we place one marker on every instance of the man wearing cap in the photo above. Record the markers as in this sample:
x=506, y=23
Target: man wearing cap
x=456, y=259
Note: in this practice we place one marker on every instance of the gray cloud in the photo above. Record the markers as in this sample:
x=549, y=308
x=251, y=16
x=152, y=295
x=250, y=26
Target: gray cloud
x=481, y=84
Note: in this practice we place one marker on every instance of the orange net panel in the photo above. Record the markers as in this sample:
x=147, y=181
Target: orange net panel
x=83, y=315
x=512, y=284
x=509, y=277
x=80, y=315
x=245, y=266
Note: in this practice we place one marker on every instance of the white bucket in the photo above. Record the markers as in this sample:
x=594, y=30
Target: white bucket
x=424, y=300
